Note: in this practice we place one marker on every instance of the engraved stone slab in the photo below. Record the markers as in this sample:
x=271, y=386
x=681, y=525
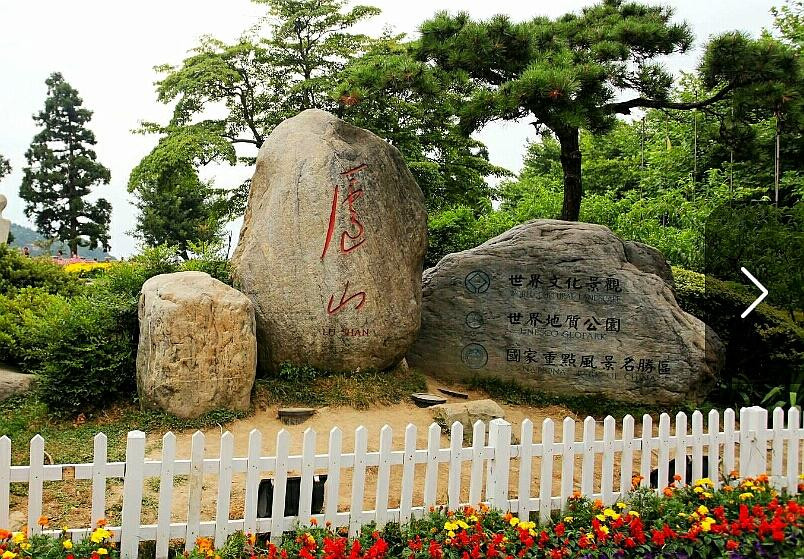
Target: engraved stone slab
x=559, y=306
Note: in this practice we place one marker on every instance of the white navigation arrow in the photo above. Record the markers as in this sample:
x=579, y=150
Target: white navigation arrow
x=760, y=298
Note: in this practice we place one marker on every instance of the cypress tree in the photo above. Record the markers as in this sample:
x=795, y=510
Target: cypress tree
x=62, y=171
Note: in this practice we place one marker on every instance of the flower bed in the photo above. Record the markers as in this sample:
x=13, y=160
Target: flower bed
x=744, y=519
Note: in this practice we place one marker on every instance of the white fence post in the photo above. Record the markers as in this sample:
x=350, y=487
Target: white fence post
x=753, y=440
x=500, y=441
x=5, y=479
x=132, y=495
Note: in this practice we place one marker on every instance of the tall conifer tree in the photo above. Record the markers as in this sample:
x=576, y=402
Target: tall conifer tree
x=62, y=171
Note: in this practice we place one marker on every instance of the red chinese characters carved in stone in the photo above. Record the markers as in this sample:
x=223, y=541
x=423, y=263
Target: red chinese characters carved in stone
x=346, y=299
x=350, y=239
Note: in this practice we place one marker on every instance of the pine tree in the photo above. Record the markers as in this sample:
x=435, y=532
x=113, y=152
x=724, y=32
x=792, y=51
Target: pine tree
x=582, y=70
x=62, y=171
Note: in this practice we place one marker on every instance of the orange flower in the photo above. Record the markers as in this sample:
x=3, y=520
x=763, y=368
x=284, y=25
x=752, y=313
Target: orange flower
x=762, y=478
x=635, y=481
x=576, y=494
x=677, y=477
x=313, y=522
x=598, y=504
x=734, y=474
x=728, y=488
x=43, y=521
x=4, y=534
x=668, y=491
x=102, y=522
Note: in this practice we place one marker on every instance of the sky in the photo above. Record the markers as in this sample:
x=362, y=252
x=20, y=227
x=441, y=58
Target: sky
x=107, y=51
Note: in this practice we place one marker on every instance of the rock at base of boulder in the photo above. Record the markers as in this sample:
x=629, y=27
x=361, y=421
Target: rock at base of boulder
x=197, y=350
x=467, y=414
x=13, y=383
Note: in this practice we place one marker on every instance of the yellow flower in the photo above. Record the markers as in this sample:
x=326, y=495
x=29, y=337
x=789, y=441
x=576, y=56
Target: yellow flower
x=621, y=505
x=99, y=535
x=102, y=551
x=746, y=495
x=463, y=525
x=600, y=517
x=568, y=519
x=706, y=523
x=705, y=482
x=451, y=534
x=9, y=555
x=702, y=510
x=707, y=495
x=514, y=521
x=611, y=514
x=604, y=529
x=67, y=544
x=25, y=546
x=633, y=513
x=694, y=516
x=450, y=526
x=18, y=537
x=698, y=489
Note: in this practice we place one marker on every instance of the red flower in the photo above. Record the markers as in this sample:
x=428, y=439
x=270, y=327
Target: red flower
x=658, y=538
x=732, y=545
x=435, y=550
x=559, y=529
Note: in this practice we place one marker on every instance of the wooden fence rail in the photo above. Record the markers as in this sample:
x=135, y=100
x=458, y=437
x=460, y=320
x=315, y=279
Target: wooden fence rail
x=756, y=447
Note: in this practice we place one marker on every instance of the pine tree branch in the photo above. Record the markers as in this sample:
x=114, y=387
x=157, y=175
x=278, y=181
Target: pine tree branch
x=624, y=107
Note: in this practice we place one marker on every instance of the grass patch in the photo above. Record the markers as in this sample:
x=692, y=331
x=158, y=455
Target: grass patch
x=70, y=441
x=516, y=394
x=304, y=386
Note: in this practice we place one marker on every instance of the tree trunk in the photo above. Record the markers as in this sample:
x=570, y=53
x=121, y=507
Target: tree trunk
x=569, y=138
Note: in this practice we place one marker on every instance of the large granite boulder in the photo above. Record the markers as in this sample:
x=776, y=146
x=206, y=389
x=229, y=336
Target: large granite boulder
x=331, y=247
x=197, y=350
x=560, y=306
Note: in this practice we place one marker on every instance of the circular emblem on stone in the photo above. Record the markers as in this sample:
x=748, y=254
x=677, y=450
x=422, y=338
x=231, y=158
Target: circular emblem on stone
x=474, y=356
x=477, y=281
x=474, y=320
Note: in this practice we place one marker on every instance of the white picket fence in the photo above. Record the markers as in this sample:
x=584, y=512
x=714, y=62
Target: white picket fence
x=751, y=449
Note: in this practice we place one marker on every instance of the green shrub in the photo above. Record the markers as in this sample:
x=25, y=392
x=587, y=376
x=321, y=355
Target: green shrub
x=18, y=271
x=22, y=313
x=86, y=355
x=458, y=228
x=209, y=258
x=763, y=350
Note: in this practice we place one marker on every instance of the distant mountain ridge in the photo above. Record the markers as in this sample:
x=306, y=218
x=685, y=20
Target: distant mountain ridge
x=25, y=236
